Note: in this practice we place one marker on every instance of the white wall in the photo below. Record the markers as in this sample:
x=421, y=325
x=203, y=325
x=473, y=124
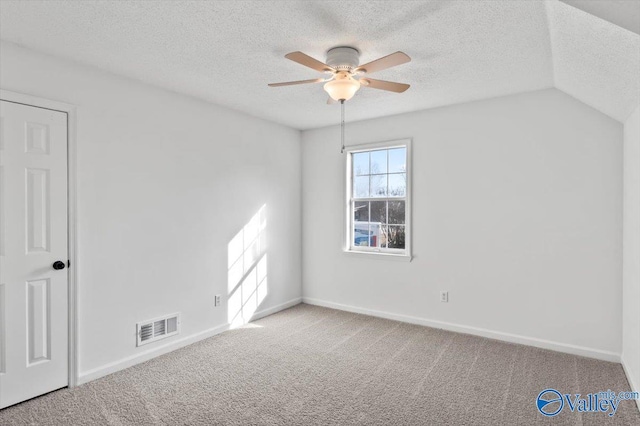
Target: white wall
x=164, y=183
x=631, y=247
x=517, y=212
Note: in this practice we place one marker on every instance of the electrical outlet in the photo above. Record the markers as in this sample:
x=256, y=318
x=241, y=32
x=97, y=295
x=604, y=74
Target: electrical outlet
x=444, y=296
x=217, y=300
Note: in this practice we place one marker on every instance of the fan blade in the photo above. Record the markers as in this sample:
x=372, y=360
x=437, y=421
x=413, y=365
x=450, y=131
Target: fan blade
x=291, y=83
x=388, y=61
x=384, y=85
x=331, y=101
x=308, y=61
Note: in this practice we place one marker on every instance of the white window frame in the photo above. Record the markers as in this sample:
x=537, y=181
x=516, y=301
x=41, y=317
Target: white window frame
x=394, y=254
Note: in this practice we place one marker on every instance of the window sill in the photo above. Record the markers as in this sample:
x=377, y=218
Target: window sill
x=379, y=255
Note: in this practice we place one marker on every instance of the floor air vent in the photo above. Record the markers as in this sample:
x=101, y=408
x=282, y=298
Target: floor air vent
x=156, y=329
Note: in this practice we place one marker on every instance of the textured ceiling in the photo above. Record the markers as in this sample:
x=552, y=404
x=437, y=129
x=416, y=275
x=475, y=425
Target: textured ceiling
x=595, y=61
x=624, y=13
x=226, y=52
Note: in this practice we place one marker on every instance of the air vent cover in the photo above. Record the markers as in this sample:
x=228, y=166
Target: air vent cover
x=158, y=328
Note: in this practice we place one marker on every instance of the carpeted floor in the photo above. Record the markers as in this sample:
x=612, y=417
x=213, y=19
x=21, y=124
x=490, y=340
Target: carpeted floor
x=317, y=366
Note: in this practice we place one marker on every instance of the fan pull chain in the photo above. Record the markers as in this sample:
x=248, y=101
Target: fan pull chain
x=342, y=126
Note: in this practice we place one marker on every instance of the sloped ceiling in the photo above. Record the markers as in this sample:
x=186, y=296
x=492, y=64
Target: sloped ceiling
x=226, y=52
x=623, y=13
x=595, y=61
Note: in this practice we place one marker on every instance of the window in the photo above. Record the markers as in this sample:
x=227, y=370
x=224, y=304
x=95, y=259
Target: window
x=378, y=183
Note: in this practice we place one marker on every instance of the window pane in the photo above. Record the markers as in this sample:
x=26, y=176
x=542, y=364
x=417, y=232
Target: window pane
x=375, y=230
x=398, y=185
x=379, y=211
x=395, y=237
x=378, y=186
x=361, y=186
x=384, y=236
x=397, y=160
x=378, y=162
x=360, y=163
x=397, y=212
x=361, y=234
x=361, y=211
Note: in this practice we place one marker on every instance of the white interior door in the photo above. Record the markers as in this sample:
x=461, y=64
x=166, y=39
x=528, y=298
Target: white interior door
x=33, y=236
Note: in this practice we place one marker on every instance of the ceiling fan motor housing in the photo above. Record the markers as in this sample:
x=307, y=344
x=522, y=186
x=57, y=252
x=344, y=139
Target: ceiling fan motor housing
x=343, y=58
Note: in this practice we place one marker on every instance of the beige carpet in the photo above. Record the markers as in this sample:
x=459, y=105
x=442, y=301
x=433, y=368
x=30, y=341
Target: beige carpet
x=317, y=366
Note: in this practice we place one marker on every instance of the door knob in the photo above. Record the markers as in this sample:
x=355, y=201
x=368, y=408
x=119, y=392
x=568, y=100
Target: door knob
x=58, y=265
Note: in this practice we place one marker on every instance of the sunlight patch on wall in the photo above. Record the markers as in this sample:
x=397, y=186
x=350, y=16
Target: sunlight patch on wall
x=247, y=270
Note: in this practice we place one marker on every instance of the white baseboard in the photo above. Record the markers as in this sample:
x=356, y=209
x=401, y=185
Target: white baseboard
x=277, y=308
x=497, y=335
x=148, y=354
x=630, y=378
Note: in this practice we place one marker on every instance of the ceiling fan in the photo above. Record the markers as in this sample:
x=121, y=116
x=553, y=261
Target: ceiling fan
x=347, y=76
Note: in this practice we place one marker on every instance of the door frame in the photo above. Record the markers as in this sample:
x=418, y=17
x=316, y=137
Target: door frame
x=72, y=316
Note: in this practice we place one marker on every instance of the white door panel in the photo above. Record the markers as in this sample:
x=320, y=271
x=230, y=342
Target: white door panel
x=33, y=235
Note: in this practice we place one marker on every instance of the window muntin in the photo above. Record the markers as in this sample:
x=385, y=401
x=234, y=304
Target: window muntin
x=377, y=191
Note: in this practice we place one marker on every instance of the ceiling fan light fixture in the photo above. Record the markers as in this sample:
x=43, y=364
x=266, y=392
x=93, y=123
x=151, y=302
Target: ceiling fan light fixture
x=343, y=63
x=342, y=89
